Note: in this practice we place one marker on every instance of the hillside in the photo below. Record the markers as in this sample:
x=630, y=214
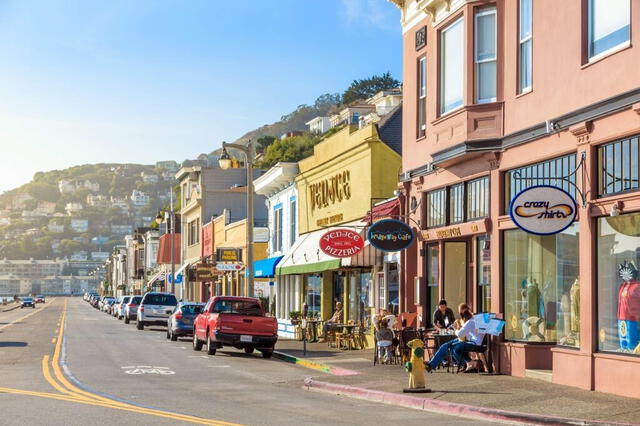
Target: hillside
x=81, y=212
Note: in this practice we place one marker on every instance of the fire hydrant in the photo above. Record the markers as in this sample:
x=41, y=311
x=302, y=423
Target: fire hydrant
x=415, y=367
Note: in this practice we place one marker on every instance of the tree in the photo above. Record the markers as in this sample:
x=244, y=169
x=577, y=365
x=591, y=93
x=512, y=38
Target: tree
x=365, y=88
x=289, y=149
x=43, y=191
x=263, y=143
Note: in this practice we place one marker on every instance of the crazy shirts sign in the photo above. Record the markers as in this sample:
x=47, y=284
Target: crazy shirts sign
x=543, y=210
x=341, y=243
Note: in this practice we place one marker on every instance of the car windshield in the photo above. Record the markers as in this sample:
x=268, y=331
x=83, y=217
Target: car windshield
x=40, y=296
x=191, y=309
x=242, y=307
x=27, y=299
x=125, y=299
x=160, y=299
x=136, y=300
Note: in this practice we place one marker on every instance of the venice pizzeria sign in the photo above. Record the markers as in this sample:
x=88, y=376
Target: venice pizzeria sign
x=543, y=210
x=341, y=243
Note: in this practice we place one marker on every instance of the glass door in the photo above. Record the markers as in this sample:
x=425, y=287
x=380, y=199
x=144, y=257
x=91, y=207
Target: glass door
x=433, y=277
x=455, y=273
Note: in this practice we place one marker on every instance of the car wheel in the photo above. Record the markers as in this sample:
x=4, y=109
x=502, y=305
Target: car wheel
x=267, y=354
x=248, y=350
x=197, y=344
x=173, y=337
x=126, y=319
x=211, y=349
x=140, y=325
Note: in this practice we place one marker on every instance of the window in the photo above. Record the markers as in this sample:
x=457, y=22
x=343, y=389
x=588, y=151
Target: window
x=540, y=277
x=478, y=198
x=456, y=203
x=193, y=232
x=618, y=166
x=359, y=297
x=433, y=276
x=609, y=25
x=452, y=66
x=485, y=55
x=525, y=52
x=277, y=223
x=292, y=221
x=422, y=97
x=545, y=173
x=437, y=207
x=618, y=285
x=484, y=273
x=314, y=283
x=240, y=307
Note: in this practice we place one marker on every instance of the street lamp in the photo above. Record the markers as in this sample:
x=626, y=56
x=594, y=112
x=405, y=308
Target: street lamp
x=225, y=163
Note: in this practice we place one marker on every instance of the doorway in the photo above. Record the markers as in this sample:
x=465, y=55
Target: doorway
x=455, y=273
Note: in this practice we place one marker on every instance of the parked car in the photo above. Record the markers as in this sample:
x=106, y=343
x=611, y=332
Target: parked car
x=180, y=323
x=94, y=301
x=40, y=298
x=131, y=309
x=235, y=321
x=155, y=308
x=120, y=309
x=27, y=302
x=115, y=308
x=107, y=302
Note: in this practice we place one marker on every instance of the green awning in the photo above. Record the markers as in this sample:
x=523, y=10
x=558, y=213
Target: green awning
x=309, y=268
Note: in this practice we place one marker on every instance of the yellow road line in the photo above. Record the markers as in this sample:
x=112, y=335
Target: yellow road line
x=80, y=396
x=53, y=340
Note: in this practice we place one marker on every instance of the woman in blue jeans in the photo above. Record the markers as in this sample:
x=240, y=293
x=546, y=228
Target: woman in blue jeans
x=468, y=338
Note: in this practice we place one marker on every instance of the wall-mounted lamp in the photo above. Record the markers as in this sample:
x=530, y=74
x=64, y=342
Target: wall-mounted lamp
x=616, y=209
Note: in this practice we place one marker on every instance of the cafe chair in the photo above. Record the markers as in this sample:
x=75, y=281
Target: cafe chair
x=480, y=351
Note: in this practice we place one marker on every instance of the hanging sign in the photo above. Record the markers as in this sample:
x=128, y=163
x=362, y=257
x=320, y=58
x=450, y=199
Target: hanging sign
x=206, y=272
x=341, y=243
x=229, y=267
x=390, y=235
x=543, y=210
x=229, y=255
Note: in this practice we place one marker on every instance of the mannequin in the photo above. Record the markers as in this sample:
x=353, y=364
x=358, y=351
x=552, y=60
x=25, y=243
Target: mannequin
x=570, y=303
x=628, y=314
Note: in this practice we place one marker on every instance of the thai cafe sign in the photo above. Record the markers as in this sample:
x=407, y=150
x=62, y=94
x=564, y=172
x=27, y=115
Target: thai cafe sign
x=390, y=235
x=543, y=210
x=341, y=243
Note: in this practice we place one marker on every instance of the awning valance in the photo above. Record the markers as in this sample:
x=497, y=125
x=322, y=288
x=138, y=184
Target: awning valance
x=266, y=268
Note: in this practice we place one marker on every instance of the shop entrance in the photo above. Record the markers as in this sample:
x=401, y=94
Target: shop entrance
x=455, y=273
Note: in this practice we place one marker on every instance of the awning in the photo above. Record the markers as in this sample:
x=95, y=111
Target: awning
x=266, y=268
x=386, y=209
x=155, y=277
x=305, y=257
x=184, y=266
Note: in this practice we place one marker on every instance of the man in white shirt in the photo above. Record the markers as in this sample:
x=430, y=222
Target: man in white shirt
x=469, y=337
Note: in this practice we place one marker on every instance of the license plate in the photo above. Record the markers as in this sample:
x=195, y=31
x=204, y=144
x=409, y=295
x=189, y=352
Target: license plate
x=246, y=338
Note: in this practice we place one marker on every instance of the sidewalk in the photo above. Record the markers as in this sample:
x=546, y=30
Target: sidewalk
x=500, y=392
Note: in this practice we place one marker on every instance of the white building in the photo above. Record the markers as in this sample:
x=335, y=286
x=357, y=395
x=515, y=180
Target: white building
x=139, y=198
x=278, y=186
x=385, y=102
x=72, y=208
x=120, y=203
x=319, y=125
x=56, y=228
x=97, y=201
x=149, y=177
x=66, y=186
x=80, y=225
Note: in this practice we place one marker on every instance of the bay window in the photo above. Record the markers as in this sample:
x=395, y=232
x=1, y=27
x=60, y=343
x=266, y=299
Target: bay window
x=485, y=55
x=452, y=66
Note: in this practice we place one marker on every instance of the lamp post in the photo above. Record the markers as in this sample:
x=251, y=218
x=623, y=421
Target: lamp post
x=225, y=163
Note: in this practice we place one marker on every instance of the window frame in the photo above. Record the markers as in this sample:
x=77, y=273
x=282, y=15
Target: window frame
x=277, y=228
x=447, y=190
x=521, y=42
x=489, y=10
x=441, y=107
x=421, y=106
x=293, y=223
x=590, y=56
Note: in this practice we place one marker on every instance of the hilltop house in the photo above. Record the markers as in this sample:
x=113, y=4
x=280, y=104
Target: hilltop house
x=139, y=198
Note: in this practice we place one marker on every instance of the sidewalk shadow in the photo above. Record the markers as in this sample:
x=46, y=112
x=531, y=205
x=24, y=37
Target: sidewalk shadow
x=470, y=392
x=12, y=344
x=310, y=354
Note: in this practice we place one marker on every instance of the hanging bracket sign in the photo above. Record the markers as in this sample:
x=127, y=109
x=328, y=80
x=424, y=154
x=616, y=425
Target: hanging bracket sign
x=390, y=235
x=229, y=267
x=543, y=210
x=341, y=243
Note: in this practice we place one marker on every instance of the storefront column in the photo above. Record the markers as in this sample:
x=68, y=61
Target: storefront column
x=298, y=292
x=326, y=298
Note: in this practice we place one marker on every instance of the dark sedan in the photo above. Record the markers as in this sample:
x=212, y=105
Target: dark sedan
x=180, y=323
x=27, y=302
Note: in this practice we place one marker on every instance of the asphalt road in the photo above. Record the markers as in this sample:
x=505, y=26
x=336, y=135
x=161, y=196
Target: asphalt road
x=67, y=363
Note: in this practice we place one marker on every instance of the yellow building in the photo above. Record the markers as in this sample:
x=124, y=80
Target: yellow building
x=337, y=186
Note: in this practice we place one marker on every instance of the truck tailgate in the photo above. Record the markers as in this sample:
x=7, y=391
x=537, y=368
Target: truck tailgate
x=249, y=325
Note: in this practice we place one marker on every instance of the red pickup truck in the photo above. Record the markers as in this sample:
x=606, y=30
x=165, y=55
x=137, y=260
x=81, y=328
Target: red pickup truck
x=235, y=321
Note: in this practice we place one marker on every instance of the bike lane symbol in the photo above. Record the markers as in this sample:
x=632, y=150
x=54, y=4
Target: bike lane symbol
x=147, y=369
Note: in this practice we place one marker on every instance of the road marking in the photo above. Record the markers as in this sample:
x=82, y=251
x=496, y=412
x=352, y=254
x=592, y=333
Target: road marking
x=218, y=366
x=199, y=356
x=163, y=371
x=53, y=340
x=17, y=321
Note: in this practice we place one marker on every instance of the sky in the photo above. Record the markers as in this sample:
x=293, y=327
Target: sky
x=89, y=81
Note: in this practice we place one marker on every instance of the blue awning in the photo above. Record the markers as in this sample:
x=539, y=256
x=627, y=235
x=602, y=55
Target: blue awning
x=266, y=268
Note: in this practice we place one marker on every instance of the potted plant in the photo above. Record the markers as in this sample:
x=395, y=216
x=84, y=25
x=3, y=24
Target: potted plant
x=295, y=317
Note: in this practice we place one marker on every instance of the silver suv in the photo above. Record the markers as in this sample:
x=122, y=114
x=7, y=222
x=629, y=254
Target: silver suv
x=155, y=309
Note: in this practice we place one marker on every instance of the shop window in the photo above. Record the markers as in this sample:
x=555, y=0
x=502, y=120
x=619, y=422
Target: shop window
x=359, y=298
x=422, y=97
x=619, y=284
x=452, y=66
x=541, y=287
x=525, y=49
x=314, y=284
x=338, y=290
x=456, y=203
x=618, y=166
x=483, y=263
x=393, y=284
x=558, y=172
x=478, y=198
x=437, y=207
x=485, y=55
x=609, y=25
x=433, y=277
x=382, y=291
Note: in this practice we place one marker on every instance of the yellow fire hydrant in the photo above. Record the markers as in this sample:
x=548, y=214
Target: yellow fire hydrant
x=415, y=367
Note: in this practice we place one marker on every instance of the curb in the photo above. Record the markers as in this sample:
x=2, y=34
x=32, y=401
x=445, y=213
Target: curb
x=336, y=371
x=444, y=407
x=11, y=309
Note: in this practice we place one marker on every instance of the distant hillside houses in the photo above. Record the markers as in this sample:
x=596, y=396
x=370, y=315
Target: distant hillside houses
x=120, y=203
x=72, y=208
x=80, y=225
x=68, y=186
x=97, y=201
x=56, y=228
x=139, y=198
x=19, y=201
x=149, y=177
x=170, y=166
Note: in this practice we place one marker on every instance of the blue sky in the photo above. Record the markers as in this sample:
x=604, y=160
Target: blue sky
x=85, y=81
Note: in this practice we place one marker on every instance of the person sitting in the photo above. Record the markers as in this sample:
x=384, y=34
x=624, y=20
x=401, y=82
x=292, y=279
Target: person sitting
x=335, y=319
x=457, y=324
x=384, y=336
x=443, y=316
x=469, y=338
